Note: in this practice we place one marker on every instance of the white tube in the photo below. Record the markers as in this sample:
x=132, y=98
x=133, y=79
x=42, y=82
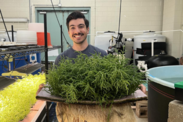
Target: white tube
x=152, y=46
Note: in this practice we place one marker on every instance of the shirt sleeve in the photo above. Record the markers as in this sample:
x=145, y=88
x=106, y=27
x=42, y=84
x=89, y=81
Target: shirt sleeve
x=57, y=60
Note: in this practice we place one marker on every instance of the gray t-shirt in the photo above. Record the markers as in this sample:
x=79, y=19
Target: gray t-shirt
x=70, y=53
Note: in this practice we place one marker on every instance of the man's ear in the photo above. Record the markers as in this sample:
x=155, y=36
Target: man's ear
x=88, y=30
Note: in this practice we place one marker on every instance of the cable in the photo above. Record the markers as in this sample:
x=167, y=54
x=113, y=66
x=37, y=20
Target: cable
x=55, y=12
x=5, y=25
x=59, y=22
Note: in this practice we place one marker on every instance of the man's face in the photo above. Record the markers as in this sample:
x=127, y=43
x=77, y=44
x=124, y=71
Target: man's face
x=78, y=31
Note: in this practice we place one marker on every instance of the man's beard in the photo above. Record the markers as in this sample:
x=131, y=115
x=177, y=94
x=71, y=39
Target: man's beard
x=82, y=40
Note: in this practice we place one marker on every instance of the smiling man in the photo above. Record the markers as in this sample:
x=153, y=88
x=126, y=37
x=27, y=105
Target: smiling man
x=78, y=28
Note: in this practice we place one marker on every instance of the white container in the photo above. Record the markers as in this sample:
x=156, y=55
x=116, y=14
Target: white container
x=28, y=37
x=38, y=27
x=102, y=41
x=146, y=38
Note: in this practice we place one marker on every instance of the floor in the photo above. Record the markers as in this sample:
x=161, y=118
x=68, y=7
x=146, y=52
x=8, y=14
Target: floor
x=140, y=119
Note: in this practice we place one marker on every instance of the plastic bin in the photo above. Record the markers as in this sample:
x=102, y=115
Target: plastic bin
x=161, y=90
x=40, y=39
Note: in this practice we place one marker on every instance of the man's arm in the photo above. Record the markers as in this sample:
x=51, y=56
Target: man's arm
x=143, y=88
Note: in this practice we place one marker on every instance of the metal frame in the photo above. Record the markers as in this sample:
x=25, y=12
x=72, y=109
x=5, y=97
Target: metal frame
x=23, y=52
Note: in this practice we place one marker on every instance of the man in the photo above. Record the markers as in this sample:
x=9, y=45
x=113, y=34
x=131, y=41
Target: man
x=78, y=28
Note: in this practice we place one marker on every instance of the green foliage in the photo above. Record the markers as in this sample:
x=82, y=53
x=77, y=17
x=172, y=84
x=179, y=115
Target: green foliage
x=17, y=98
x=94, y=78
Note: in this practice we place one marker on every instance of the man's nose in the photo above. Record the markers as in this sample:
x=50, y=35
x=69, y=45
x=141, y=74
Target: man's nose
x=77, y=30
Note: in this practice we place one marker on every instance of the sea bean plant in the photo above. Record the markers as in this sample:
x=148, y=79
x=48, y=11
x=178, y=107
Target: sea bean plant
x=94, y=78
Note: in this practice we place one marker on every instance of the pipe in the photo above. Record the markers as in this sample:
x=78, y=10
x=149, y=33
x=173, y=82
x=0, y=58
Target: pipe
x=5, y=25
x=12, y=33
x=46, y=59
x=122, y=31
x=30, y=12
x=61, y=39
x=46, y=44
x=152, y=46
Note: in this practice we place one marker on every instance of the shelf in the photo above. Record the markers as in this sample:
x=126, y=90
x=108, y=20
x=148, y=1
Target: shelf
x=24, y=70
x=4, y=82
x=18, y=51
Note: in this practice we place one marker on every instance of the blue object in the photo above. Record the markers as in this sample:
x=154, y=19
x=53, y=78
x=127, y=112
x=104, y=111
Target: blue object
x=39, y=61
x=32, y=57
x=3, y=67
x=20, y=61
x=146, y=85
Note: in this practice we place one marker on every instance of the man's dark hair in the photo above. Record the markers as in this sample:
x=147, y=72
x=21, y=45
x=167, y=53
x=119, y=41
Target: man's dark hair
x=76, y=15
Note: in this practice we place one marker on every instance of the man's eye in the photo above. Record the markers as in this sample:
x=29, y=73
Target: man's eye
x=72, y=28
x=81, y=26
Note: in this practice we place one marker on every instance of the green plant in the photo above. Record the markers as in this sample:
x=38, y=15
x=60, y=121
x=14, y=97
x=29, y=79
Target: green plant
x=17, y=98
x=94, y=78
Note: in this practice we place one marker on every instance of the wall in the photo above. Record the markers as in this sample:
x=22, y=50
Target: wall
x=136, y=14
x=14, y=8
x=177, y=41
x=181, y=51
x=168, y=20
x=172, y=20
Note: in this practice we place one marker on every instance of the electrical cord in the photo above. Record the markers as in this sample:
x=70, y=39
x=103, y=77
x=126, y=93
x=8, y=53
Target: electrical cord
x=59, y=23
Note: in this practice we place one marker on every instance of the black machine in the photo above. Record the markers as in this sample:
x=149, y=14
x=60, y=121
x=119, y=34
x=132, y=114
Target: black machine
x=118, y=46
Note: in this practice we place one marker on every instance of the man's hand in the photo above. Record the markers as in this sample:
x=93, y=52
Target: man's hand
x=40, y=87
x=143, y=88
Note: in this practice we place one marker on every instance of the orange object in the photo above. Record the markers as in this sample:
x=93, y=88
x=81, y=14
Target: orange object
x=40, y=39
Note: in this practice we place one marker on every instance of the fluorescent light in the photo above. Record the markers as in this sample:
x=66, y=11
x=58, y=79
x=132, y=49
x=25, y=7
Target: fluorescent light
x=43, y=12
x=84, y=12
x=11, y=20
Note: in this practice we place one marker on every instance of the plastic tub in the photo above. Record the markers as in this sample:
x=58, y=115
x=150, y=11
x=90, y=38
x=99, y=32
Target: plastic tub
x=28, y=37
x=40, y=39
x=146, y=37
x=102, y=41
x=162, y=89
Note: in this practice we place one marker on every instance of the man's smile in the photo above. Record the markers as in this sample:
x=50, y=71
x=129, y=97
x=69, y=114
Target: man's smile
x=78, y=35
